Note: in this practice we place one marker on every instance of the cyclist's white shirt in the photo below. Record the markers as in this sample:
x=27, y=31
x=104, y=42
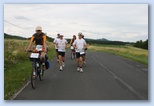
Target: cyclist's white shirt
x=55, y=42
x=80, y=43
x=61, y=44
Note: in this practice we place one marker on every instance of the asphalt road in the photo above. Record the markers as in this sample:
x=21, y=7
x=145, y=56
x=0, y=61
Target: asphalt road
x=105, y=77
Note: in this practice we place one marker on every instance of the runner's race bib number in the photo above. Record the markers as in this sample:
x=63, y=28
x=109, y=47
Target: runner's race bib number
x=72, y=47
x=81, y=53
x=34, y=55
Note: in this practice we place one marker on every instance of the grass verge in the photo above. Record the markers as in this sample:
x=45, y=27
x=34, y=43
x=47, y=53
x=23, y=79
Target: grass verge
x=17, y=66
x=133, y=53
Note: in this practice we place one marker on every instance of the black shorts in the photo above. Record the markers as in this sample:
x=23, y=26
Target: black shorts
x=61, y=54
x=56, y=50
x=78, y=55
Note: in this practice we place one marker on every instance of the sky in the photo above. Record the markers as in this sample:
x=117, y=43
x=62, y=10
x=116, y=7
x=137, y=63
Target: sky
x=117, y=22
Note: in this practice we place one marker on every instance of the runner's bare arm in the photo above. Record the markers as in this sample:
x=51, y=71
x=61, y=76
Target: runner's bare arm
x=66, y=45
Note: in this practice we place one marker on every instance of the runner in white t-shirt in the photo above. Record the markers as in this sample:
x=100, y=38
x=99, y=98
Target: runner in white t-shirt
x=80, y=45
x=61, y=45
x=54, y=42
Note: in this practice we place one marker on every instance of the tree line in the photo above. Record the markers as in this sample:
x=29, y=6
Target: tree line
x=141, y=44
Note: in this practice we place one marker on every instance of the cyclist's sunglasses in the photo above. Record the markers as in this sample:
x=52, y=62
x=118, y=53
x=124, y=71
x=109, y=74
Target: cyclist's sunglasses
x=38, y=30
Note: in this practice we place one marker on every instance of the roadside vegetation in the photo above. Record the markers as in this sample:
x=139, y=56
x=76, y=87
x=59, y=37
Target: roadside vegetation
x=17, y=66
x=130, y=52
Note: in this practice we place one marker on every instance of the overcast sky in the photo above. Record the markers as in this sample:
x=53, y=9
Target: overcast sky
x=124, y=22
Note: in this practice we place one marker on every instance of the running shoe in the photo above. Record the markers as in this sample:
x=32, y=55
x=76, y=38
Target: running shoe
x=78, y=69
x=81, y=70
x=63, y=64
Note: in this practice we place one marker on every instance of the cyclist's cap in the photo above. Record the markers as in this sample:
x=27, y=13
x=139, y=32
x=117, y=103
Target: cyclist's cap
x=38, y=28
x=58, y=34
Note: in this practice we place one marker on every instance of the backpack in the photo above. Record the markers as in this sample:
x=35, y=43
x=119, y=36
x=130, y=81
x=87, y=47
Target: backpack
x=47, y=63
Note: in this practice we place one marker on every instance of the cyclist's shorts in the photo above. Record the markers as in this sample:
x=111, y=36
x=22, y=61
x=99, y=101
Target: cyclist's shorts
x=37, y=51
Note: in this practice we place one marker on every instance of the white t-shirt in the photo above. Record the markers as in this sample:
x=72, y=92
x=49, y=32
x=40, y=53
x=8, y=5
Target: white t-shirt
x=55, y=42
x=61, y=44
x=80, y=43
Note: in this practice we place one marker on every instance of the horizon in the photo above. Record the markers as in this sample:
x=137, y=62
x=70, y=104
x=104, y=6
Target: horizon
x=85, y=38
x=116, y=22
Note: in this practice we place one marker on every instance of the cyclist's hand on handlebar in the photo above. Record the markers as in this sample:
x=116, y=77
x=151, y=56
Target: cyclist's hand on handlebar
x=27, y=50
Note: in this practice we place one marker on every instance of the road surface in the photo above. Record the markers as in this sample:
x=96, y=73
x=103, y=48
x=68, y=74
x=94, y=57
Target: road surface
x=105, y=77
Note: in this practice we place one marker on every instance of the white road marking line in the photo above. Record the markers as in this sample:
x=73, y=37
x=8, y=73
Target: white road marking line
x=16, y=94
x=115, y=76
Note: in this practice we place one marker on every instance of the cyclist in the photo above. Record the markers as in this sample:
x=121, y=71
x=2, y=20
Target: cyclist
x=40, y=39
x=80, y=45
x=72, y=48
x=61, y=44
x=54, y=42
x=84, y=55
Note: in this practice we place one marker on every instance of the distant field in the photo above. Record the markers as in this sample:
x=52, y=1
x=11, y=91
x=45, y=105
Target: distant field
x=17, y=67
x=135, y=54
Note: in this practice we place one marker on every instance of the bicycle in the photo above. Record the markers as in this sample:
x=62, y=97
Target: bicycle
x=37, y=68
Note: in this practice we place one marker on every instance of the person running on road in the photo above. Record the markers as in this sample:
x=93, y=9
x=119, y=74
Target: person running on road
x=54, y=42
x=40, y=39
x=80, y=45
x=85, y=50
x=61, y=44
x=72, y=48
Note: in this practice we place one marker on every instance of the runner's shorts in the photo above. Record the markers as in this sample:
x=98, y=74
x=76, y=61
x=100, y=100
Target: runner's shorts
x=78, y=55
x=61, y=53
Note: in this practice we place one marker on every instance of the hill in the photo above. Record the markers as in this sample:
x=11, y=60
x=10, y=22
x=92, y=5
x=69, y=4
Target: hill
x=90, y=41
x=8, y=36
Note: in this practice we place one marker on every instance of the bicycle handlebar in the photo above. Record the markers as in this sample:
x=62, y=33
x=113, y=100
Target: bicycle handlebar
x=32, y=51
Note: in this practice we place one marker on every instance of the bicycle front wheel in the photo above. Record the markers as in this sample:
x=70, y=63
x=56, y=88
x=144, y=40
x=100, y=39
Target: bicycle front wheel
x=41, y=74
x=33, y=78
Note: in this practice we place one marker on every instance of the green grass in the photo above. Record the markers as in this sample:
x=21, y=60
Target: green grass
x=135, y=54
x=17, y=67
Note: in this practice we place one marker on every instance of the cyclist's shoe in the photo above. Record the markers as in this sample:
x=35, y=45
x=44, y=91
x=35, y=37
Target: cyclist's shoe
x=41, y=72
x=57, y=61
x=81, y=70
x=63, y=64
x=78, y=69
x=43, y=64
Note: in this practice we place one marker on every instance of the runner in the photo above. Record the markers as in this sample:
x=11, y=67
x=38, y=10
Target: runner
x=80, y=45
x=54, y=42
x=85, y=51
x=61, y=44
x=72, y=48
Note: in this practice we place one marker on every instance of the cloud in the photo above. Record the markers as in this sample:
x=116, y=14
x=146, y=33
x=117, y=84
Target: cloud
x=126, y=22
x=21, y=18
